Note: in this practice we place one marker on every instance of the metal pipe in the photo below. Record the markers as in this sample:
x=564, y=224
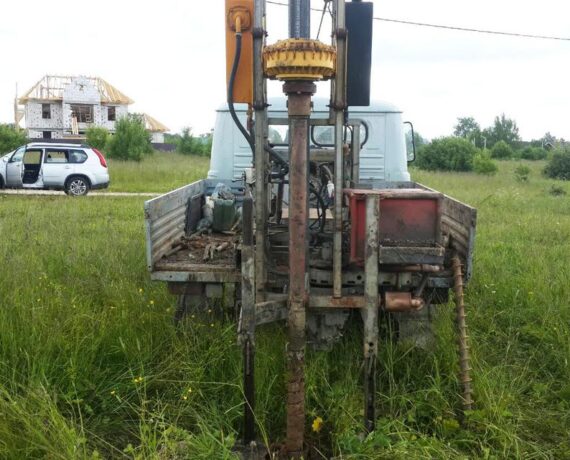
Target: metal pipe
x=299, y=18
x=370, y=312
x=261, y=161
x=339, y=104
x=355, y=155
x=247, y=320
x=397, y=302
x=299, y=103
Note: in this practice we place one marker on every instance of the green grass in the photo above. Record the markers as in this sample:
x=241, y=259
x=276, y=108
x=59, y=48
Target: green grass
x=91, y=366
x=160, y=172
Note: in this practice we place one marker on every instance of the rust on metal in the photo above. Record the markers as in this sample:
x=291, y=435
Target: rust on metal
x=463, y=338
x=427, y=268
x=370, y=311
x=299, y=104
x=402, y=302
x=351, y=302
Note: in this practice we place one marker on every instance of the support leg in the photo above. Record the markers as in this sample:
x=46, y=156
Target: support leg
x=247, y=321
x=370, y=312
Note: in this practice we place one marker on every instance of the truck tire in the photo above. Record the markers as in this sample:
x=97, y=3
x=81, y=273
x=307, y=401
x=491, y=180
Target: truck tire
x=77, y=186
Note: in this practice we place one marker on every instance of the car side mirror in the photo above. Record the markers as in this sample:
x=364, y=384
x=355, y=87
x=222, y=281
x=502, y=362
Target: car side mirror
x=410, y=142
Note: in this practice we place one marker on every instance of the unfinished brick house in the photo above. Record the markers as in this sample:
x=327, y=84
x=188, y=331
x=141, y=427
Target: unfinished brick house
x=64, y=107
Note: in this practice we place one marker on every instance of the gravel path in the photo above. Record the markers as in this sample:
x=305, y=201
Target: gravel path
x=59, y=193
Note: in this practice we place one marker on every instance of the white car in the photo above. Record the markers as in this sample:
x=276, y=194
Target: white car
x=76, y=169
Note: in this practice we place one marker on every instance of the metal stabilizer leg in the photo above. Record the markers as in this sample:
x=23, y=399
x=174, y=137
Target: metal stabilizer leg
x=249, y=449
x=370, y=312
x=463, y=338
x=249, y=391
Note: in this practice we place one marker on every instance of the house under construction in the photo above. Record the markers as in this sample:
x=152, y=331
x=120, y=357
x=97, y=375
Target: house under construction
x=64, y=107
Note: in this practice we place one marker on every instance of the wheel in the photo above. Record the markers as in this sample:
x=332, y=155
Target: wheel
x=77, y=186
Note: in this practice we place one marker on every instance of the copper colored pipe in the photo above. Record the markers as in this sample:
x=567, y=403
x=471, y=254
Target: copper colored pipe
x=395, y=302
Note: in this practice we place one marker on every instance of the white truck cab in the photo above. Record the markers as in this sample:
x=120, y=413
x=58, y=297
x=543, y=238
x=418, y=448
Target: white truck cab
x=383, y=157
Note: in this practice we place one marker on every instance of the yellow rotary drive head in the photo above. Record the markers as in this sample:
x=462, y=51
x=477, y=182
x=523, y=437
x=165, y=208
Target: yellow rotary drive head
x=299, y=59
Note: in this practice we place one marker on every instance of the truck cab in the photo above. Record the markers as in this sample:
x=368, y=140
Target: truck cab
x=383, y=157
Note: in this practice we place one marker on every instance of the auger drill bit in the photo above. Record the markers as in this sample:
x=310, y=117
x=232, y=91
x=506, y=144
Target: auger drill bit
x=463, y=338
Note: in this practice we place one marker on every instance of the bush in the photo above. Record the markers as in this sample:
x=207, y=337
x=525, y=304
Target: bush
x=533, y=153
x=447, y=154
x=556, y=190
x=482, y=164
x=559, y=165
x=97, y=137
x=10, y=139
x=206, y=145
x=522, y=173
x=186, y=144
x=131, y=140
x=502, y=151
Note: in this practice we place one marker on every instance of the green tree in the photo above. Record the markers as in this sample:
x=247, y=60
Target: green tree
x=447, y=154
x=503, y=129
x=205, y=141
x=467, y=128
x=186, y=142
x=131, y=140
x=97, y=137
x=10, y=139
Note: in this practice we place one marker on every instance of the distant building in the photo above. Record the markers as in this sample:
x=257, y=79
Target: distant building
x=64, y=107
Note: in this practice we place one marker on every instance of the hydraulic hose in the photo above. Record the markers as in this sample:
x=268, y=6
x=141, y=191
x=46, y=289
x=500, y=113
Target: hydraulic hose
x=274, y=155
x=233, y=73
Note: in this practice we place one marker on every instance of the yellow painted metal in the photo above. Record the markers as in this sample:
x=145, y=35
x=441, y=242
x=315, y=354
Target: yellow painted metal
x=239, y=18
x=299, y=59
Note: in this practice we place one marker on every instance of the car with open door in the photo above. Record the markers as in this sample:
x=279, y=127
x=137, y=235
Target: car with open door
x=76, y=169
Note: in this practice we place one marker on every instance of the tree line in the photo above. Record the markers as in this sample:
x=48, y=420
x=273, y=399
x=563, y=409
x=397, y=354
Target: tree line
x=472, y=148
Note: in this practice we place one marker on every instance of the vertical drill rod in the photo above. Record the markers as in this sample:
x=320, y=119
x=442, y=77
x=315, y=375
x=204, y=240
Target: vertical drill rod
x=299, y=103
x=299, y=18
x=463, y=338
x=370, y=312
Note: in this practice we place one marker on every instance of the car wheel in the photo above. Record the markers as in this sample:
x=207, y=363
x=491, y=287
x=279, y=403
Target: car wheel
x=77, y=186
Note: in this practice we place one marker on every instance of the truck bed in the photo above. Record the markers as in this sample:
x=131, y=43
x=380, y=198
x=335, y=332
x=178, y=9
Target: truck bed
x=172, y=217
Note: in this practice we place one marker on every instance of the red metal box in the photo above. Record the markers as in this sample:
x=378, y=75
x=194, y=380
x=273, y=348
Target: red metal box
x=408, y=218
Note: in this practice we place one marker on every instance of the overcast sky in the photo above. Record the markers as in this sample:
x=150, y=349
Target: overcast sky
x=169, y=57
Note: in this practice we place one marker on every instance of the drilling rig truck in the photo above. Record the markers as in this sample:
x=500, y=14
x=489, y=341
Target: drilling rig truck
x=308, y=215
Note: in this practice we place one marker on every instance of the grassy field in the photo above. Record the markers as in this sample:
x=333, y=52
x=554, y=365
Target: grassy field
x=91, y=367
x=160, y=172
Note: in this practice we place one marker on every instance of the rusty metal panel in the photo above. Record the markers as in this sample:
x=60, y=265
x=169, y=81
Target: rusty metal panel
x=410, y=218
